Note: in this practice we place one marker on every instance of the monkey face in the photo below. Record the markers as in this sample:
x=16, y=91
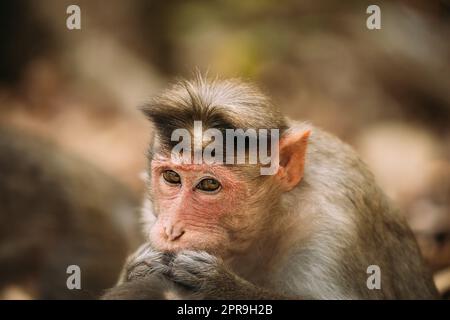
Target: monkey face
x=194, y=206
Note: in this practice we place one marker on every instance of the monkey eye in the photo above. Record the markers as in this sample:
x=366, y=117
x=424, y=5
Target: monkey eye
x=171, y=177
x=208, y=185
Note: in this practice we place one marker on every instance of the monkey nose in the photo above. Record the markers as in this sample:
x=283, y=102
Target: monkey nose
x=173, y=232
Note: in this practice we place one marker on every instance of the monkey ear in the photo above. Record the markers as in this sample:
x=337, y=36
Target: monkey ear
x=292, y=159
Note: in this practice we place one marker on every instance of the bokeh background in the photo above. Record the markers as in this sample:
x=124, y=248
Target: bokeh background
x=386, y=92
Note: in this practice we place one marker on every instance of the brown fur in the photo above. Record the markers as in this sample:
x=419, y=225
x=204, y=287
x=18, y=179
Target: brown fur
x=314, y=241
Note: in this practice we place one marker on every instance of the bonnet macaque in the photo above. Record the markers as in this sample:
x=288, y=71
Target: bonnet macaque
x=313, y=229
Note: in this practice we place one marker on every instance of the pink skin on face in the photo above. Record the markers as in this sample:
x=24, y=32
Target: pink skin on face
x=189, y=218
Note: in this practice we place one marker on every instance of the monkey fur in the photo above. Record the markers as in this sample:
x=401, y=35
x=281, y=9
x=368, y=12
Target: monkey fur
x=309, y=232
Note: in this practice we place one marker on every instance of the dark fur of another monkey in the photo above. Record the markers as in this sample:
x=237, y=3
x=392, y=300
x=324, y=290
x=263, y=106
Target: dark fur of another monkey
x=57, y=210
x=311, y=230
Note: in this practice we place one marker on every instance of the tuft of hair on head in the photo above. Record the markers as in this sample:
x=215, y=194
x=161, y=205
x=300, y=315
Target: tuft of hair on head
x=219, y=104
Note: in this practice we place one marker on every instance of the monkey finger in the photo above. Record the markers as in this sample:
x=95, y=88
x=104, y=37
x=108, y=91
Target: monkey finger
x=146, y=261
x=196, y=257
x=192, y=269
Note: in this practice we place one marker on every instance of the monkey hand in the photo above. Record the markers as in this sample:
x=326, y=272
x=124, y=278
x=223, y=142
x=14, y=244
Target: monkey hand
x=144, y=262
x=206, y=277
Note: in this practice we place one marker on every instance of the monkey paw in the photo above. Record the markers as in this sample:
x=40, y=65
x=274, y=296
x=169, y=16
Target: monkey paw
x=197, y=271
x=143, y=262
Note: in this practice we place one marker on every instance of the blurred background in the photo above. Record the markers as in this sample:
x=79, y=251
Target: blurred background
x=72, y=135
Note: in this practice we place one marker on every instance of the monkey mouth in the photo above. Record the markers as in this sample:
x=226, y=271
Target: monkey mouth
x=173, y=247
x=166, y=245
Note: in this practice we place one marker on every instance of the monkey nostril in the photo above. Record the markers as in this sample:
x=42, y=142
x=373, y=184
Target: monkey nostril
x=173, y=233
x=176, y=235
x=167, y=231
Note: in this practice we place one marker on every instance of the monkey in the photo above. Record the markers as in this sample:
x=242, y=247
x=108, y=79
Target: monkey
x=57, y=210
x=225, y=231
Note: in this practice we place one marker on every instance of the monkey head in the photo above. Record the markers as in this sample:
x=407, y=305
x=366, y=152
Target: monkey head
x=218, y=208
